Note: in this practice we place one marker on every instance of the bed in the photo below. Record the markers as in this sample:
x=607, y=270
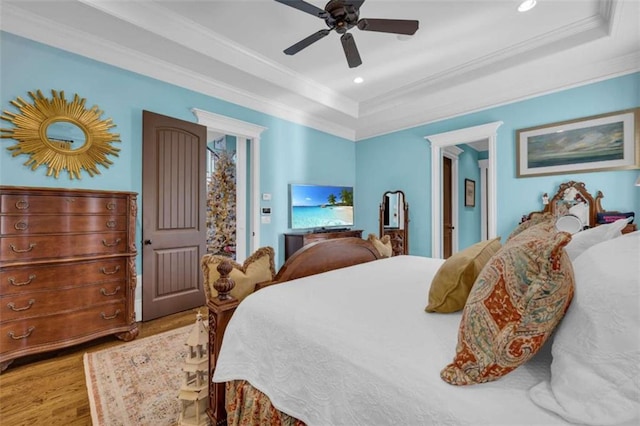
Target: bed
x=351, y=343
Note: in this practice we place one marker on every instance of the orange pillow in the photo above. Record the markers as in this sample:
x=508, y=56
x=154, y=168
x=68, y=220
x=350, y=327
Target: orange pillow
x=519, y=298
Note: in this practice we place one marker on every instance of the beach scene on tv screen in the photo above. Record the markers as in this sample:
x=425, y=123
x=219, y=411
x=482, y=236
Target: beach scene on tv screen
x=318, y=206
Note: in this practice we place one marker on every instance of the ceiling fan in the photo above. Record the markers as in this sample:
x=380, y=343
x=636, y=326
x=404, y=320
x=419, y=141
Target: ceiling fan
x=342, y=15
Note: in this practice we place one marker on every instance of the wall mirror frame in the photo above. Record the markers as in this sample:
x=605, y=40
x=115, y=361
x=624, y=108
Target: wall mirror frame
x=60, y=135
x=394, y=221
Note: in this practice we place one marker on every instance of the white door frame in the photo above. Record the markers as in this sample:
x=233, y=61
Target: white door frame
x=455, y=137
x=244, y=132
x=453, y=152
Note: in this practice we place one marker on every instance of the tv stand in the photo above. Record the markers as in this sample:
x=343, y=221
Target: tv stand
x=294, y=241
x=327, y=230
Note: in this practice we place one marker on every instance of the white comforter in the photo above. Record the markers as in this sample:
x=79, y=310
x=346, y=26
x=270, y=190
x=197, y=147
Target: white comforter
x=355, y=347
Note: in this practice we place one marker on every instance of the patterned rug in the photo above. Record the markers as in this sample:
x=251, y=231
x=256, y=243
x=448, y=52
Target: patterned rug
x=137, y=383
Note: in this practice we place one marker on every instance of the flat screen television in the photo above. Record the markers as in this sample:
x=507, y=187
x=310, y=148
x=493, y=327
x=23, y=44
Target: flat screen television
x=321, y=206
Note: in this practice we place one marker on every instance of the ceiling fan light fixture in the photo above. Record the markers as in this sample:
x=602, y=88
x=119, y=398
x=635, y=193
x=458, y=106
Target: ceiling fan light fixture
x=527, y=5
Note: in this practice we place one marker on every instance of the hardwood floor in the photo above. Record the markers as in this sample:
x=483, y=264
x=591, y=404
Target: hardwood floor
x=49, y=389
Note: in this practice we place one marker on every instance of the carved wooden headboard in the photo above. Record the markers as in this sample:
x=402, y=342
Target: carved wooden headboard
x=571, y=193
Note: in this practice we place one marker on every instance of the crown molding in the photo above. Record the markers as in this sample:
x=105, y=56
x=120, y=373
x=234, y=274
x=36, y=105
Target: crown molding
x=155, y=18
x=23, y=24
x=586, y=29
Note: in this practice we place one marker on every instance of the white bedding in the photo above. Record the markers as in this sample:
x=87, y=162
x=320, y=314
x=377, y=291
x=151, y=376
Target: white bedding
x=355, y=347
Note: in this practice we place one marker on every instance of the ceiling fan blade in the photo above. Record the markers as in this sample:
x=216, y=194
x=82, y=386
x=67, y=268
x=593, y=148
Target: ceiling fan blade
x=350, y=50
x=306, y=42
x=396, y=26
x=305, y=7
x=355, y=3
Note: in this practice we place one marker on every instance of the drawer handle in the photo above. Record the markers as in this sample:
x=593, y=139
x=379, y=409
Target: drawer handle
x=23, y=336
x=113, y=244
x=22, y=204
x=12, y=280
x=112, y=224
x=15, y=250
x=20, y=226
x=103, y=291
x=116, y=270
x=111, y=205
x=12, y=306
x=106, y=317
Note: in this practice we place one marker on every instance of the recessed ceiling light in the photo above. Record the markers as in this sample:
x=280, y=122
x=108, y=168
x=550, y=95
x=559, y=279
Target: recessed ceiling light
x=527, y=5
x=358, y=80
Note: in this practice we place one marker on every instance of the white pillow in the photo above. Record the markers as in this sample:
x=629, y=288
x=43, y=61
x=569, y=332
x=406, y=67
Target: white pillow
x=581, y=241
x=595, y=372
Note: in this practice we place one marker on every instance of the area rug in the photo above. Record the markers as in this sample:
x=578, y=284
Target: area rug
x=137, y=383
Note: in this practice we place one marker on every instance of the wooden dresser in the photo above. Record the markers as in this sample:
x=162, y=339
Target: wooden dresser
x=294, y=241
x=67, y=268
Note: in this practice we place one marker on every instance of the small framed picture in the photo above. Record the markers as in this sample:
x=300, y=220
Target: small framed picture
x=469, y=193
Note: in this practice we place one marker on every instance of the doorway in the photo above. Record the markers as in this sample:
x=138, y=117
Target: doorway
x=247, y=139
x=438, y=143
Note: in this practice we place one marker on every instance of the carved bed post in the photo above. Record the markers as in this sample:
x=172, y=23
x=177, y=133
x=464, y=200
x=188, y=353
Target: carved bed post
x=221, y=309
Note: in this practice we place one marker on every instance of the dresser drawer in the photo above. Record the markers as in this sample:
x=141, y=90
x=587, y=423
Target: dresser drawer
x=23, y=279
x=43, y=247
x=46, y=224
x=20, y=335
x=28, y=203
x=40, y=303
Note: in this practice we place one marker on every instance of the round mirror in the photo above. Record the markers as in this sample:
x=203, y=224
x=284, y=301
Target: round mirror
x=569, y=223
x=66, y=135
x=61, y=135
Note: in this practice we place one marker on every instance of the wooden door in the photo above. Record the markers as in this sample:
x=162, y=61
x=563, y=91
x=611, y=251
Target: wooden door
x=173, y=214
x=447, y=207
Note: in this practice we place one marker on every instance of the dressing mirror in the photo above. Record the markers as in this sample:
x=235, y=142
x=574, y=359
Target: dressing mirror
x=394, y=221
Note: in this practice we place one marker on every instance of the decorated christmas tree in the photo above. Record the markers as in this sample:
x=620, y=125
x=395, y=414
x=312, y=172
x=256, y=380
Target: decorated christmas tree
x=221, y=206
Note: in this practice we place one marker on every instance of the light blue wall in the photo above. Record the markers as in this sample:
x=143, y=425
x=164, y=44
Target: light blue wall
x=401, y=160
x=289, y=152
x=294, y=153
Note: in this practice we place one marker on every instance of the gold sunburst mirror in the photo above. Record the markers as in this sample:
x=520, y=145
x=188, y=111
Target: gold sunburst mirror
x=61, y=135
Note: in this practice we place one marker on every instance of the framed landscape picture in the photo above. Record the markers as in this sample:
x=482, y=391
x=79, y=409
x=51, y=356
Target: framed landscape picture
x=469, y=193
x=601, y=142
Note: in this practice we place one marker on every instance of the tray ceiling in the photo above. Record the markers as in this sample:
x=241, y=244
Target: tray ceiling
x=466, y=56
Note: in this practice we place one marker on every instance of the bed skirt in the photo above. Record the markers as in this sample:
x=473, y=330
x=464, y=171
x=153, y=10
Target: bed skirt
x=247, y=406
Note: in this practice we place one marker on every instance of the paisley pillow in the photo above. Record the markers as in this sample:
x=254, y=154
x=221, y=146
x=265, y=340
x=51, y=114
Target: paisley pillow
x=515, y=304
x=534, y=219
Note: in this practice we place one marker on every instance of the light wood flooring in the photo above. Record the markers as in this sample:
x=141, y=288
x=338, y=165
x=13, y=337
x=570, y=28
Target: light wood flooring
x=49, y=389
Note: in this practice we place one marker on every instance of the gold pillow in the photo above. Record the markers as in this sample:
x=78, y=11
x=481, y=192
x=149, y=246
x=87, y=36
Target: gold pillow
x=453, y=282
x=258, y=268
x=383, y=245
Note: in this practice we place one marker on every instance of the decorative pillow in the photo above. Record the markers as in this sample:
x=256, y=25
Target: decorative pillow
x=258, y=268
x=613, y=216
x=595, y=372
x=535, y=218
x=581, y=241
x=383, y=245
x=453, y=281
x=516, y=302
